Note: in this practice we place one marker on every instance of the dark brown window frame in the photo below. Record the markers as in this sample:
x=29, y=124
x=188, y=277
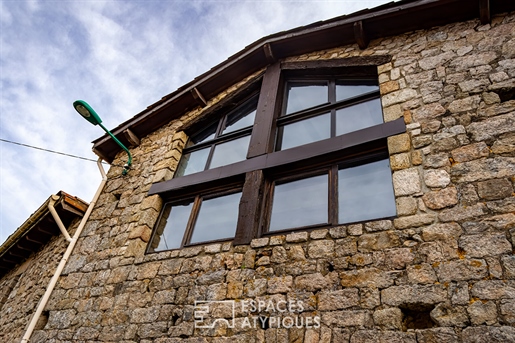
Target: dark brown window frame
x=261, y=158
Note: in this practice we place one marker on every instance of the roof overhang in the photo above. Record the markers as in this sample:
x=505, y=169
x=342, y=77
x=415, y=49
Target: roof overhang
x=360, y=27
x=38, y=229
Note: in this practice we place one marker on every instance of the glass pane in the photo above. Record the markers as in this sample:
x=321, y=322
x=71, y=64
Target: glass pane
x=172, y=226
x=302, y=96
x=230, y=152
x=365, y=192
x=306, y=131
x=193, y=162
x=239, y=122
x=300, y=203
x=349, y=91
x=216, y=219
x=204, y=135
x=358, y=116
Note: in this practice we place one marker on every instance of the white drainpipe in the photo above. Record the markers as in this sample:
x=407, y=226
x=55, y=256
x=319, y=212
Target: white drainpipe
x=73, y=241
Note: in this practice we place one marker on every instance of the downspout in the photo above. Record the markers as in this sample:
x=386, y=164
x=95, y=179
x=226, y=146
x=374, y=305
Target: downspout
x=67, y=253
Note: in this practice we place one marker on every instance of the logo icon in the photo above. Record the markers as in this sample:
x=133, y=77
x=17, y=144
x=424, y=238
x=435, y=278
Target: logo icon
x=208, y=312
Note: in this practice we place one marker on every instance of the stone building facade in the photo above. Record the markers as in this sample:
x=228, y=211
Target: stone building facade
x=441, y=270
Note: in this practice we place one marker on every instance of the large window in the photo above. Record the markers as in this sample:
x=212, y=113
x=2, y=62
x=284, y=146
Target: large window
x=307, y=152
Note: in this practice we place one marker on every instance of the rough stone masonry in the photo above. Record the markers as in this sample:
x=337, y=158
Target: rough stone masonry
x=442, y=271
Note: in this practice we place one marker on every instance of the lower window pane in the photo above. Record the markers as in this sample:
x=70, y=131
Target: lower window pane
x=365, y=192
x=230, y=152
x=216, y=219
x=300, y=203
x=171, y=227
x=193, y=162
x=358, y=116
x=306, y=131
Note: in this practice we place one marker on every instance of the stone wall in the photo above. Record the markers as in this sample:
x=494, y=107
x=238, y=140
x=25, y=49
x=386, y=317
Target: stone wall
x=442, y=271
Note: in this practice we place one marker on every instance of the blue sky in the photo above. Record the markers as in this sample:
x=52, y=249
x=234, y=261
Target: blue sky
x=119, y=56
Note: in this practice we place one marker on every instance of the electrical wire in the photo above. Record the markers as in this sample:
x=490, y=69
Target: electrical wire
x=51, y=151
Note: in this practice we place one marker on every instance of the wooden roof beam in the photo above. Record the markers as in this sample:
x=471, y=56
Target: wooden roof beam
x=198, y=97
x=360, y=35
x=484, y=11
x=131, y=137
x=269, y=54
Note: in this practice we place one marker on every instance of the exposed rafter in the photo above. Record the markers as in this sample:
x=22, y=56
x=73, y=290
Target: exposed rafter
x=267, y=48
x=360, y=35
x=199, y=98
x=131, y=137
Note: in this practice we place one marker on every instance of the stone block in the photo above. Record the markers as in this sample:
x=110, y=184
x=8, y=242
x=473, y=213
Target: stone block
x=338, y=300
x=406, y=206
x=493, y=289
x=413, y=295
x=437, y=335
x=399, y=96
x=280, y=284
x=461, y=270
x=507, y=311
x=421, y=273
x=414, y=221
x=436, y=178
x=481, y=245
x=488, y=334
x=406, y=182
x=389, y=318
x=482, y=313
x=470, y=152
x=380, y=336
x=495, y=189
x=312, y=282
x=459, y=213
x=464, y=105
x=446, y=315
x=378, y=241
x=367, y=277
x=297, y=237
x=400, y=161
x=347, y=318
x=436, y=200
x=321, y=249
x=399, y=143
x=491, y=127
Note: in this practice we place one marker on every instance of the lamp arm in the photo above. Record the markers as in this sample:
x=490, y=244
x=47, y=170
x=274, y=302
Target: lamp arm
x=129, y=161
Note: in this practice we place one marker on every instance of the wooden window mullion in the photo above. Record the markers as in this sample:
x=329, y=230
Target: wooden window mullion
x=191, y=221
x=263, y=134
x=249, y=214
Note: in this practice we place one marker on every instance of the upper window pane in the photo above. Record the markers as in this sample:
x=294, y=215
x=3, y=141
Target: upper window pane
x=216, y=219
x=243, y=117
x=366, y=192
x=300, y=203
x=203, y=136
x=192, y=162
x=172, y=226
x=344, y=92
x=306, y=131
x=359, y=116
x=302, y=96
x=230, y=152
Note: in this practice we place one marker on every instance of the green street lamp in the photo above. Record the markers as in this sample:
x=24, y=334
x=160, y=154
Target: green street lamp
x=88, y=113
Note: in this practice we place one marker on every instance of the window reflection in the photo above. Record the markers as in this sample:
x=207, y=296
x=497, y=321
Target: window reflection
x=238, y=121
x=172, y=227
x=302, y=96
x=216, y=219
x=358, y=116
x=300, y=203
x=344, y=92
x=365, y=192
x=306, y=131
x=192, y=162
x=230, y=152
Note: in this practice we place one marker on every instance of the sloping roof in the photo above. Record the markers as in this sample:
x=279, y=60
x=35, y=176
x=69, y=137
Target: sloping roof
x=38, y=229
x=360, y=27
